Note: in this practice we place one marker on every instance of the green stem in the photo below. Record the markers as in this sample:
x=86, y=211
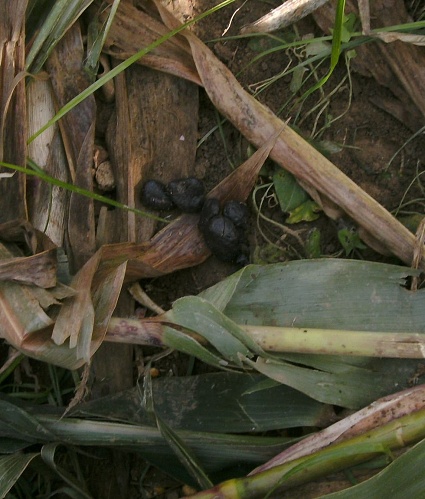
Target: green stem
x=287, y=339
x=381, y=440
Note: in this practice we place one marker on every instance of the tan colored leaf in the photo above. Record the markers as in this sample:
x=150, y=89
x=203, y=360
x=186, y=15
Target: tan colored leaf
x=39, y=268
x=65, y=67
x=134, y=29
x=286, y=14
x=47, y=204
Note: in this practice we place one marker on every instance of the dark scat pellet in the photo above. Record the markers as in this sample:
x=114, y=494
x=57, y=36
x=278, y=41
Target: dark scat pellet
x=238, y=213
x=222, y=238
x=154, y=196
x=188, y=194
x=210, y=209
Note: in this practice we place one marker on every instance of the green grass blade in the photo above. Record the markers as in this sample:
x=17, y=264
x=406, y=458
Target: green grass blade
x=48, y=455
x=11, y=468
x=62, y=15
x=36, y=171
x=336, y=48
x=93, y=53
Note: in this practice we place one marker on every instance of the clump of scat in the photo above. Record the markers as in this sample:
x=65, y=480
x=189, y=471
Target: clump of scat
x=224, y=231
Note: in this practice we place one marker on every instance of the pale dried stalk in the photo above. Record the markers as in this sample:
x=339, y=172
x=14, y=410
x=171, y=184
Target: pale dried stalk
x=288, y=13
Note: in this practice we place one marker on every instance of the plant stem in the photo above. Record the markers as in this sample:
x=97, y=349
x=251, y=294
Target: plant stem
x=381, y=440
x=286, y=339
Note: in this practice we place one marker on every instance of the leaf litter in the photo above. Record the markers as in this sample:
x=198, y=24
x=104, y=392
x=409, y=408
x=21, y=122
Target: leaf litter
x=93, y=293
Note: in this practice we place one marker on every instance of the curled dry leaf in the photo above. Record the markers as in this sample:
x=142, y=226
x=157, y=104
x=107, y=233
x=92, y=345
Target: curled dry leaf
x=61, y=325
x=39, y=268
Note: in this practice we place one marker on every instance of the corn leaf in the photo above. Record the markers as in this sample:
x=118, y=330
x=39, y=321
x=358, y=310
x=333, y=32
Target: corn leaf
x=202, y=317
x=211, y=402
x=220, y=454
x=330, y=294
x=403, y=478
x=11, y=468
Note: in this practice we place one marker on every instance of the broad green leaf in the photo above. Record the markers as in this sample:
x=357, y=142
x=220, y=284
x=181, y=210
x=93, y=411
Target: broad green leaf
x=289, y=193
x=350, y=241
x=297, y=79
x=402, y=478
x=200, y=316
x=312, y=246
x=18, y=424
x=348, y=387
x=305, y=212
x=184, y=343
x=325, y=293
x=213, y=402
x=11, y=468
x=330, y=294
x=220, y=454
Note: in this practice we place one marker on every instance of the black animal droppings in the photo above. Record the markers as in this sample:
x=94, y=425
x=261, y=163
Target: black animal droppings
x=222, y=238
x=154, y=196
x=238, y=213
x=224, y=233
x=188, y=194
x=210, y=209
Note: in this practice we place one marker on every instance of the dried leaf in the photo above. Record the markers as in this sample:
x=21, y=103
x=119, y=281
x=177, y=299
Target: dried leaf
x=12, y=107
x=38, y=269
x=132, y=28
x=47, y=204
x=284, y=15
x=65, y=67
